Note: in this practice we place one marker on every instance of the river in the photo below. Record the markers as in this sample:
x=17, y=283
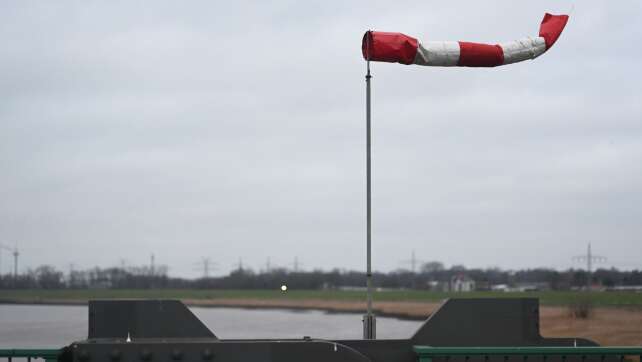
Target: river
x=43, y=326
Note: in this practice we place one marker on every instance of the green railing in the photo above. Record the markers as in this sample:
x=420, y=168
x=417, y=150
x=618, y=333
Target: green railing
x=426, y=353
x=49, y=355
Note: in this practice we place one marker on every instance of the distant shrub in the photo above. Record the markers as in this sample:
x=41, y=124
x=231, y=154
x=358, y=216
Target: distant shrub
x=581, y=308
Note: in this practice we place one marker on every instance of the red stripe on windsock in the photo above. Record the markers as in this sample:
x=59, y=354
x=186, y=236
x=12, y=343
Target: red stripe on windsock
x=551, y=28
x=480, y=55
x=389, y=47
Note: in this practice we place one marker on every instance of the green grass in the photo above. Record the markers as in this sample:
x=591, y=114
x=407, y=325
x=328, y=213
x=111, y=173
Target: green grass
x=546, y=298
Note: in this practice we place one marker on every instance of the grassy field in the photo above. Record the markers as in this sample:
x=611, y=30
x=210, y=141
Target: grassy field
x=546, y=298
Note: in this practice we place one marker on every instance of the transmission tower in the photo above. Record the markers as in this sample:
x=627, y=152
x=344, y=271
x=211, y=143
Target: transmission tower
x=15, y=254
x=70, y=278
x=589, y=258
x=296, y=264
x=413, y=261
x=206, y=265
x=15, y=263
x=239, y=265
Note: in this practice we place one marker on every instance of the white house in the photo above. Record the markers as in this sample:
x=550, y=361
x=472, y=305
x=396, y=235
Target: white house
x=461, y=283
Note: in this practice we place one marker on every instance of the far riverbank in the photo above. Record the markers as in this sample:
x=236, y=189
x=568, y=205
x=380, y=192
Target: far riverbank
x=616, y=318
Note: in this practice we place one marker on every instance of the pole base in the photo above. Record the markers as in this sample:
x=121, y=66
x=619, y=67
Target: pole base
x=369, y=326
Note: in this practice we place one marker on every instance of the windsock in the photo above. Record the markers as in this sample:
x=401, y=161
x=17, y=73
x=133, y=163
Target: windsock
x=400, y=48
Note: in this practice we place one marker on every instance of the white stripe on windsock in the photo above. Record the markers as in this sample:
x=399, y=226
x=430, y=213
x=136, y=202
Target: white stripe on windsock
x=523, y=49
x=438, y=53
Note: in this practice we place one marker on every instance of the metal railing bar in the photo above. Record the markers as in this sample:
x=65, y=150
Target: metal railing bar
x=46, y=354
x=526, y=351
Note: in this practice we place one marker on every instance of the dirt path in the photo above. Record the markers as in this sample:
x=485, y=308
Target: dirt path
x=607, y=326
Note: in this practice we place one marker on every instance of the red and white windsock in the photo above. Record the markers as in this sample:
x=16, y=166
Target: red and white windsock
x=400, y=48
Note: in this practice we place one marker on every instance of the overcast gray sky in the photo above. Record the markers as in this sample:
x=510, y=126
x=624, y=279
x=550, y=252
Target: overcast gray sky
x=236, y=129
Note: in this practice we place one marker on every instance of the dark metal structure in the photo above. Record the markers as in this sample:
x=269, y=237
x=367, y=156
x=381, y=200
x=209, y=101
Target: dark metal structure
x=428, y=354
x=165, y=330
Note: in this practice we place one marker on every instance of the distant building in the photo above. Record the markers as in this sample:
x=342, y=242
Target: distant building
x=461, y=283
x=532, y=287
x=482, y=285
x=625, y=288
x=521, y=287
x=438, y=286
x=500, y=288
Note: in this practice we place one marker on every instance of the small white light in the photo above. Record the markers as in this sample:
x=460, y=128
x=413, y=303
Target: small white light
x=284, y=288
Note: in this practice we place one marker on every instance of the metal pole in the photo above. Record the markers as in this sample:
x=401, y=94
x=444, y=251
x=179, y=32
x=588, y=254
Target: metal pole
x=369, y=322
x=589, y=268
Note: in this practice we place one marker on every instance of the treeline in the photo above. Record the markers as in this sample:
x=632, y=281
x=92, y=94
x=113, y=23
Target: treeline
x=432, y=276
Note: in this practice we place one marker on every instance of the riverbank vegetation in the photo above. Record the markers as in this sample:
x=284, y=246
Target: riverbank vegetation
x=552, y=298
x=431, y=276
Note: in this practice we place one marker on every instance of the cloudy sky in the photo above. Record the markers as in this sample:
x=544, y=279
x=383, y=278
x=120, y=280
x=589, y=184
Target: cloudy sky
x=237, y=130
